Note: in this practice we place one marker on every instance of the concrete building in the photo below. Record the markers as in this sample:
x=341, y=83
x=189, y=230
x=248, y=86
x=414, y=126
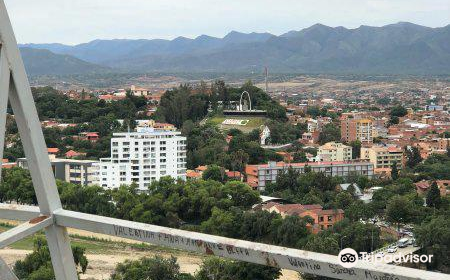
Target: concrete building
x=258, y=176
x=356, y=127
x=382, y=157
x=137, y=91
x=82, y=172
x=333, y=151
x=323, y=219
x=143, y=157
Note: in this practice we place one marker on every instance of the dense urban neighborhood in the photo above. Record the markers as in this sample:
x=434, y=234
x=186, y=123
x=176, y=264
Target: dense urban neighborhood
x=321, y=174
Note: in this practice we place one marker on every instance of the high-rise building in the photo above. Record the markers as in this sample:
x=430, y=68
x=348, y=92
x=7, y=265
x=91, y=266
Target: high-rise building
x=143, y=157
x=356, y=127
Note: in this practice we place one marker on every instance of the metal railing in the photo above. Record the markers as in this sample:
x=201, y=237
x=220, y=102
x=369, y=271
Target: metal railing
x=54, y=220
x=258, y=253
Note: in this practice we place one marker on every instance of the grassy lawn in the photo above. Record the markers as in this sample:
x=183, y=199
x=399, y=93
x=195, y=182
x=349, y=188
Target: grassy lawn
x=254, y=122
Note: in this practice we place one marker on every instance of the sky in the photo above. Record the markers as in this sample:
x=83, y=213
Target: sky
x=79, y=21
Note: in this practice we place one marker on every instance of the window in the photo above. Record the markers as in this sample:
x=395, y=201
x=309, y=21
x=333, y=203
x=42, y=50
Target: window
x=321, y=219
x=330, y=218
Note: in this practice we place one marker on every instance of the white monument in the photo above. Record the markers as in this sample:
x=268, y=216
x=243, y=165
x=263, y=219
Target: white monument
x=264, y=135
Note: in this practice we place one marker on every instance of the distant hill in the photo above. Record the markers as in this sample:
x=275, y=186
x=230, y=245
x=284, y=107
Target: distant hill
x=44, y=62
x=401, y=48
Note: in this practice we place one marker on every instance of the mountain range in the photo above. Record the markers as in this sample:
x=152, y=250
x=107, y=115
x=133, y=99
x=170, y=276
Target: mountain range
x=401, y=48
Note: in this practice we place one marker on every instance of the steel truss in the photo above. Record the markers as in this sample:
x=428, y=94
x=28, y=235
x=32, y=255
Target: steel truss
x=53, y=219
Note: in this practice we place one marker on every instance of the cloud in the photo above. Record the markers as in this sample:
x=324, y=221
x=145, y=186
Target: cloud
x=69, y=21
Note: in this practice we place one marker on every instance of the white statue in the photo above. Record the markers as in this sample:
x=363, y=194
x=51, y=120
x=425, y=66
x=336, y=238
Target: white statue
x=264, y=135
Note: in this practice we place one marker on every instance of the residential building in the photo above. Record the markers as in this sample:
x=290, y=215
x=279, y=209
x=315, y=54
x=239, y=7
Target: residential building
x=333, y=151
x=53, y=151
x=423, y=186
x=427, y=147
x=356, y=127
x=258, y=176
x=323, y=219
x=7, y=165
x=89, y=136
x=310, y=137
x=137, y=91
x=383, y=157
x=80, y=172
x=142, y=157
x=74, y=154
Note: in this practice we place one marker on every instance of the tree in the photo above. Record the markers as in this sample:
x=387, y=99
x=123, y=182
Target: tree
x=343, y=200
x=361, y=237
x=434, y=196
x=221, y=269
x=356, y=149
x=329, y=133
x=394, y=171
x=434, y=237
x=322, y=243
x=300, y=157
x=287, y=228
x=413, y=156
x=238, y=160
x=399, y=210
x=358, y=210
x=399, y=111
x=215, y=172
x=394, y=120
x=156, y=268
x=38, y=265
x=17, y=186
x=222, y=223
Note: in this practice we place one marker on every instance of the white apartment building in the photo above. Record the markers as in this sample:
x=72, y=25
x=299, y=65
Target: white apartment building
x=143, y=157
x=333, y=151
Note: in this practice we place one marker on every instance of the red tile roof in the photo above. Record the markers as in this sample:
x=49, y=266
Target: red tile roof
x=52, y=150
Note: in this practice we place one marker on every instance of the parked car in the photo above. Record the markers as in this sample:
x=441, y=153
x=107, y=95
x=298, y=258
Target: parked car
x=402, y=243
x=392, y=249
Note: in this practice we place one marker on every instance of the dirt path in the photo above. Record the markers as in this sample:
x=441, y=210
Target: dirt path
x=102, y=265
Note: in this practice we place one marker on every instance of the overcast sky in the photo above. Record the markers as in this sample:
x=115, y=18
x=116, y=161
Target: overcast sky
x=77, y=21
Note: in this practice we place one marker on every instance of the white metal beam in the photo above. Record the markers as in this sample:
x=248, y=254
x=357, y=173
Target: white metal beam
x=18, y=212
x=298, y=260
x=5, y=271
x=5, y=75
x=35, y=149
x=24, y=230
